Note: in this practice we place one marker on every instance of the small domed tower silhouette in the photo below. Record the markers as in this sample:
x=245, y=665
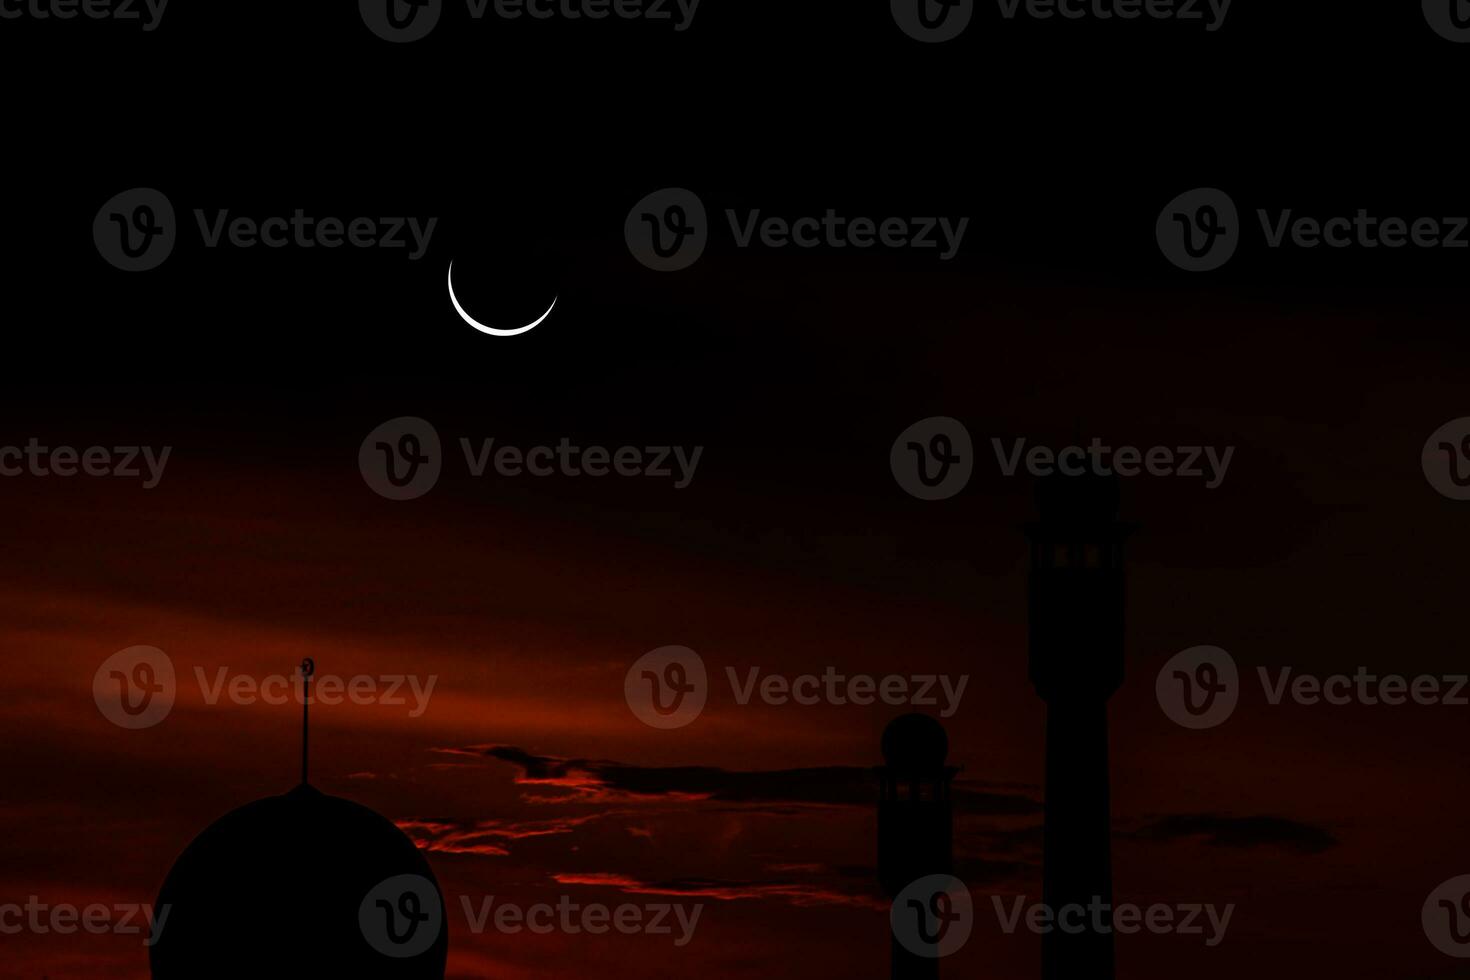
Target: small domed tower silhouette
x=915, y=824
x=302, y=885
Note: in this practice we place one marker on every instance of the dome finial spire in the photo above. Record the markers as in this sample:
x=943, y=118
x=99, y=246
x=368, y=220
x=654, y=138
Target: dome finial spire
x=308, y=667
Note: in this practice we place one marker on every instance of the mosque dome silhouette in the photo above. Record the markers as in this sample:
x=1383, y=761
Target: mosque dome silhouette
x=301, y=885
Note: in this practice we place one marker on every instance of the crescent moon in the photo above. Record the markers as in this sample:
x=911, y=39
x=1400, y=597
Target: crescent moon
x=492, y=331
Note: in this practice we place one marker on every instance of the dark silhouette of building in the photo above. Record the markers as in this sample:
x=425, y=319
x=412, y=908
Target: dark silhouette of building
x=915, y=826
x=1076, y=663
x=280, y=887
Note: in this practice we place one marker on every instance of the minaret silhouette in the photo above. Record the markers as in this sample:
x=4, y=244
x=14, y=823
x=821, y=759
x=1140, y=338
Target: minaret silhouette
x=1076, y=663
x=915, y=825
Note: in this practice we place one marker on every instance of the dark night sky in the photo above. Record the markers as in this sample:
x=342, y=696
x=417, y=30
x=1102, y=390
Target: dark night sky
x=793, y=549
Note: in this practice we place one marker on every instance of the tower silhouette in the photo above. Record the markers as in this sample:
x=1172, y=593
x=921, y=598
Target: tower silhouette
x=301, y=885
x=915, y=826
x=1076, y=664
